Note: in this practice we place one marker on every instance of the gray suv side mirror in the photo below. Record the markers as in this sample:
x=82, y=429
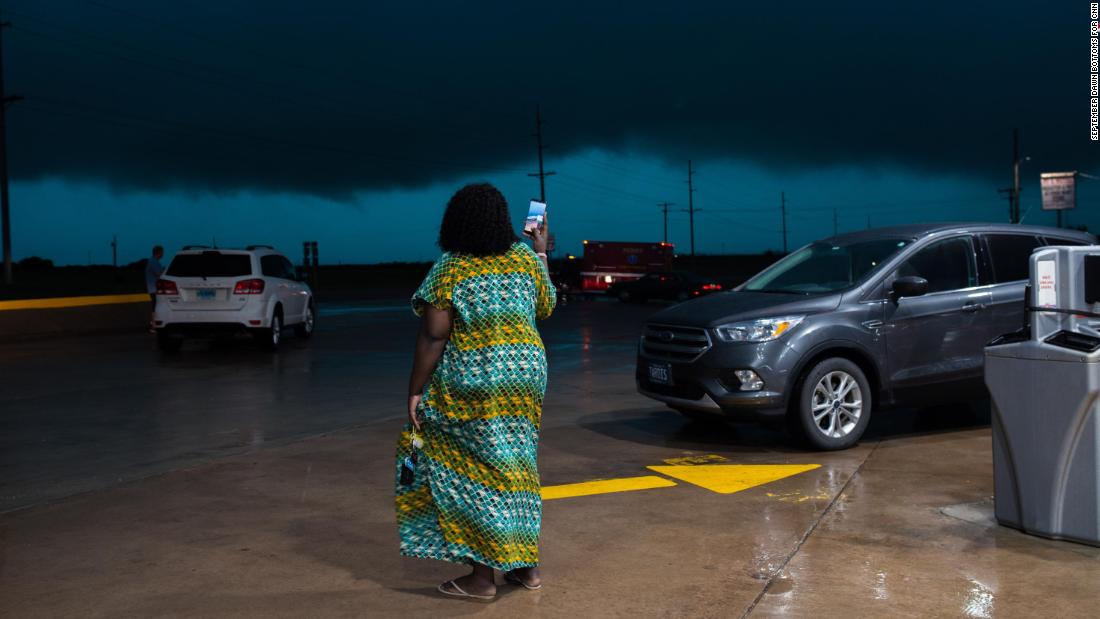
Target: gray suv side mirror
x=909, y=286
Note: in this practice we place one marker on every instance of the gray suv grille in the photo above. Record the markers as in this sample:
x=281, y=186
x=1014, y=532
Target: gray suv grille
x=674, y=343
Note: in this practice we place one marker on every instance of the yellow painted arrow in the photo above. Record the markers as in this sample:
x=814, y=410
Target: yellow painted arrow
x=720, y=478
x=730, y=478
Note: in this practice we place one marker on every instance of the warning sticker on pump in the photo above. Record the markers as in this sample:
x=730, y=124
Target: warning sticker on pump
x=1047, y=280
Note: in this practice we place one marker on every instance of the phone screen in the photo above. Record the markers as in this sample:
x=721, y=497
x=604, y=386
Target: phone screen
x=536, y=216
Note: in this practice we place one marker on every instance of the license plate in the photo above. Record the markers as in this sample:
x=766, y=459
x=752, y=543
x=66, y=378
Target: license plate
x=206, y=294
x=660, y=373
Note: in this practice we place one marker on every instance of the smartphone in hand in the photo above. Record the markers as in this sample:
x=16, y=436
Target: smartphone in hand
x=536, y=217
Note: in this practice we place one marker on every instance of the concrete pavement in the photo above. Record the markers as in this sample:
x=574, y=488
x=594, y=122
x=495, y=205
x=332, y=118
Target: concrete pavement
x=235, y=506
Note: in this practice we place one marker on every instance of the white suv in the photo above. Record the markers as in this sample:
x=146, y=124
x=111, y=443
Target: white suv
x=206, y=292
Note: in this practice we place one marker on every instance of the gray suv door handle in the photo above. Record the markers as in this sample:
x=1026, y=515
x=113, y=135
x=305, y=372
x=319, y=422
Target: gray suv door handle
x=973, y=307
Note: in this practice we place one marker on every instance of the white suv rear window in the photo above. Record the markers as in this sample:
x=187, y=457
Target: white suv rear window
x=210, y=264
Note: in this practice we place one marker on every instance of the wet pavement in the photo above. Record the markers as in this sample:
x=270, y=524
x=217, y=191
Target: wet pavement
x=226, y=481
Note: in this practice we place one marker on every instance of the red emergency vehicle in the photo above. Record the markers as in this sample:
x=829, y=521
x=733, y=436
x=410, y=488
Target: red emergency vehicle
x=607, y=262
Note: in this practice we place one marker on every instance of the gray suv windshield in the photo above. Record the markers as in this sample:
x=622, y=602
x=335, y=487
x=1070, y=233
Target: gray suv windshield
x=826, y=267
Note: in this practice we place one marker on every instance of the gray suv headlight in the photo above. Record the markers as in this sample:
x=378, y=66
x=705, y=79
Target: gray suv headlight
x=762, y=330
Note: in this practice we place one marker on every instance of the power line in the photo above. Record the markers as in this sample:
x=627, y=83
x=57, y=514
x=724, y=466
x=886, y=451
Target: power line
x=642, y=177
x=885, y=205
x=599, y=195
x=740, y=204
x=738, y=223
x=648, y=198
x=585, y=161
x=769, y=209
x=633, y=175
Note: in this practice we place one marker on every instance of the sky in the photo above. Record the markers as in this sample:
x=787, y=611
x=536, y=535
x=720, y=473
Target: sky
x=351, y=123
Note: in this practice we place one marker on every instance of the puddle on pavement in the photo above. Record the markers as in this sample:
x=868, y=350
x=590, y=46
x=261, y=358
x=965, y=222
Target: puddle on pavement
x=979, y=600
x=979, y=513
x=783, y=584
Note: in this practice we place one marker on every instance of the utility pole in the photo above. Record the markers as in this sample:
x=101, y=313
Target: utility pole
x=783, y=211
x=1015, y=215
x=538, y=140
x=691, y=210
x=664, y=207
x=834, y=222
x=5, y=205
x=114, y=251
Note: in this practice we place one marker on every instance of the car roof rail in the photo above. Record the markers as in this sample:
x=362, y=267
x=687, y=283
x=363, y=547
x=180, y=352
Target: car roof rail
x=252, y=247
x=187, y=247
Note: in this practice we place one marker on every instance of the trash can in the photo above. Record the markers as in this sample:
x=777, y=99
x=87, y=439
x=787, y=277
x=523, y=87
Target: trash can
x=1044, y=382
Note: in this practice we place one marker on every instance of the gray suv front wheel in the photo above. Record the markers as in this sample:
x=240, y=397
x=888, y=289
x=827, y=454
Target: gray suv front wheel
x=833, y=405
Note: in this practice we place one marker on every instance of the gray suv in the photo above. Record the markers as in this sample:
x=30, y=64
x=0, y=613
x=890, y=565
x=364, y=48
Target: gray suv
x=846, y=325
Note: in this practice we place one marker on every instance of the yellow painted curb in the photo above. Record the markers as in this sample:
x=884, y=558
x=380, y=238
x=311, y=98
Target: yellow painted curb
x=60, y=302
x=604, y=486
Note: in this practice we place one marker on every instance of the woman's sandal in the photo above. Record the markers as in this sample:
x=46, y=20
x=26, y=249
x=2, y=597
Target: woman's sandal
x=459, y=593
x=512, y=579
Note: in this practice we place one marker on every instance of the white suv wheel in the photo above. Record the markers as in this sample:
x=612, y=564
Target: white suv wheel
x=305, y=328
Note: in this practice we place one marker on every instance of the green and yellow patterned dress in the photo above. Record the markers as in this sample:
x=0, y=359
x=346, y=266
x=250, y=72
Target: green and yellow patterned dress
x=475, y=495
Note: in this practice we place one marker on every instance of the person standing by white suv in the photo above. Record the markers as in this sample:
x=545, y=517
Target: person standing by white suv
x=153, y=271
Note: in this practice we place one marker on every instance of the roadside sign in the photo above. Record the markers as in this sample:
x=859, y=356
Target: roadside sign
x=1059, y=190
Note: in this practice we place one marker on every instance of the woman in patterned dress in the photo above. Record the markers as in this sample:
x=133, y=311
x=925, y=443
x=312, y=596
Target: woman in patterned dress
x=475, y=400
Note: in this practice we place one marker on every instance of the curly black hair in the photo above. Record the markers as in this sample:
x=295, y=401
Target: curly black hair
x=477, y=222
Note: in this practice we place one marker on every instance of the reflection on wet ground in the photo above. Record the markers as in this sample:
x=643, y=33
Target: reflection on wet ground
x=276, y=497
x=85, y=413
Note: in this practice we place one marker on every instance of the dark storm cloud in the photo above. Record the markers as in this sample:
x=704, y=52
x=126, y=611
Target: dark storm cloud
x=333, y=97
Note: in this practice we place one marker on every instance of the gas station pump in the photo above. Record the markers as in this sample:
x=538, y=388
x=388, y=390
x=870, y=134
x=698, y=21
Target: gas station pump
x=1044, y=382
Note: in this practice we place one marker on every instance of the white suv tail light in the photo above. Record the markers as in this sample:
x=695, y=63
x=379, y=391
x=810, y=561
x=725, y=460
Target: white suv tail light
x=167, y=287
x=249, y=286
